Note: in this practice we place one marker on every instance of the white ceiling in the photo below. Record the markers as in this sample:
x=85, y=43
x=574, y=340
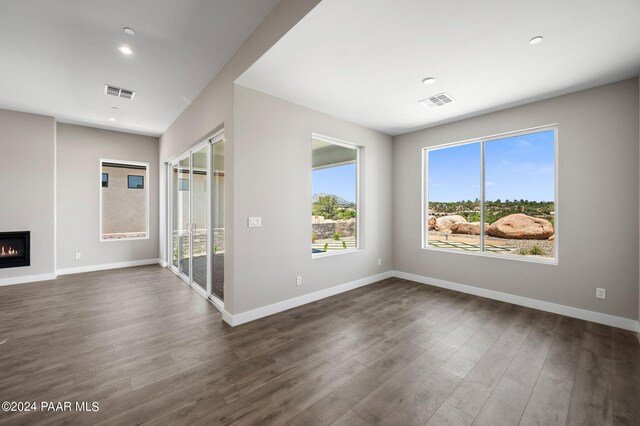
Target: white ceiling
x=56, y=56
x=364, y=60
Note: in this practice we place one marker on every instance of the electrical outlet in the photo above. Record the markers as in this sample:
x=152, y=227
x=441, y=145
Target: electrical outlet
x=601, y=293
x=298, y=280
x=254, y=222
x=379, y=262
x=78, y=256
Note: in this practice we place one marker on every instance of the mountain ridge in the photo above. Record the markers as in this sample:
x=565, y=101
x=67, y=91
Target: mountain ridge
x=339, y=200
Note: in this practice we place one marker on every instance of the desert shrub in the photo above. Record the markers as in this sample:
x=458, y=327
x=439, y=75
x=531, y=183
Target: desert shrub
x=337, y=236
x=326, y=246
x=531, y=251
x=313, y=237
x=344, y=244
x=536, y=251
x=346, y=213
x=473, y=217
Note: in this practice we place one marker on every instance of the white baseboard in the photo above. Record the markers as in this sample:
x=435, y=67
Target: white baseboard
x=265, y=311
x=105, y=266
x=228, y=318
x=27, y=279
x=163, y=263
x=569, y=311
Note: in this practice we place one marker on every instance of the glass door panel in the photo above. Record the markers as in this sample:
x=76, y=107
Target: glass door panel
x=217, y=218
x=183, y=217
x=199, y=195
x=175, y=217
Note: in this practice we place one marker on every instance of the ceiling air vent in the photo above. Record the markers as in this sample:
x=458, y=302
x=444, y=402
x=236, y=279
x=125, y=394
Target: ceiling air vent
x=116, y=91
x=436, y=101
x=128, y=94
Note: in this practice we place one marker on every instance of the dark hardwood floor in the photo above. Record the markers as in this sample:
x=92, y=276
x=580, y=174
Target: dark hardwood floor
x=149, y=350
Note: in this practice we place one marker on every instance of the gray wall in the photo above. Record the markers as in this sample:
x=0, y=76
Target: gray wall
x=27, y=186
x=213, y=109
x=273, y=181
x=598, y=153
x=78, y=165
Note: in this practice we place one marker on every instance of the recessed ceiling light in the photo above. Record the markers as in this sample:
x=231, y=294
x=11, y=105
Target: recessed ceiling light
x=535, y=40
x=112, y=119
x=429, y=80
x=129, y=31
x=125, y=50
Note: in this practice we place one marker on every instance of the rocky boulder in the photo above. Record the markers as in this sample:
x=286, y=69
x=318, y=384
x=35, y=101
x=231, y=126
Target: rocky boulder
x=521, y=227
x=431, y=222
x=444, y=223
x=468, y=228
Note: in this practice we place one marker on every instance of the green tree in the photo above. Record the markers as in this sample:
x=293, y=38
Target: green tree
x=326, y=206
x=348, y=213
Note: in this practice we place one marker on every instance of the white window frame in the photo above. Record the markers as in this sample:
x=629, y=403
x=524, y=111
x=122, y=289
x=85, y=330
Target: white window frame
x=482, y=140
x=145, y=189
x=357, y=149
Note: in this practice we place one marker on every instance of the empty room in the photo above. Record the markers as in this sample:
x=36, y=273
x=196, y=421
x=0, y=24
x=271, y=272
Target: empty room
x=319, y=212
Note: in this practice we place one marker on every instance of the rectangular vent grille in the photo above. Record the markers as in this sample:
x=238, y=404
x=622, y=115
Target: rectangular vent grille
x=437, y=101
x=117, y=91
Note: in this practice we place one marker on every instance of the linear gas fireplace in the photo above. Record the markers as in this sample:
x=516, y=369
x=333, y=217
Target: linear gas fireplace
x=14, y=249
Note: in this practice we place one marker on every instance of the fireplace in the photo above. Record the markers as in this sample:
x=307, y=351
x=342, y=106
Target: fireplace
x=14, y=249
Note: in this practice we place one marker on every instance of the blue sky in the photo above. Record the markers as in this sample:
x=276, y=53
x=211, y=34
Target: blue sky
x=519, y=167
x=340, y=181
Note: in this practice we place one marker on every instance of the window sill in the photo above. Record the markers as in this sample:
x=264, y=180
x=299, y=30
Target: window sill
x=109, y=240
x=530, y=259
x=334, y=253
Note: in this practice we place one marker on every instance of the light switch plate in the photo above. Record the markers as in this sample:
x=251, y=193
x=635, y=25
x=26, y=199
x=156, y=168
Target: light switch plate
x=601, y=293
x=254, y=222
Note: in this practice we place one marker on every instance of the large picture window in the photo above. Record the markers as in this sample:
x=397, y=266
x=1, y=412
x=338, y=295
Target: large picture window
x=494, y=195
x=334, y=206
x=124, y=214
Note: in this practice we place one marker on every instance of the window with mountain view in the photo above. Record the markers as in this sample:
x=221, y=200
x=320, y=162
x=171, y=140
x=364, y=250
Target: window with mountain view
x=334, y=209
x=508, y=211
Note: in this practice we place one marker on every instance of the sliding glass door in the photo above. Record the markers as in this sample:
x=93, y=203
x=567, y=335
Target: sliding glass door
x=199, y=200
x=217, y=218
x=196, y=226
x=180, y=217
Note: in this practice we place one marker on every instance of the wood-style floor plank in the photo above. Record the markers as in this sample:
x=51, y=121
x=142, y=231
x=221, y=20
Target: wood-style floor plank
x=505, y=405
x=549, y=401
x=423, y=402
x=151, y=351
x=304, y=418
